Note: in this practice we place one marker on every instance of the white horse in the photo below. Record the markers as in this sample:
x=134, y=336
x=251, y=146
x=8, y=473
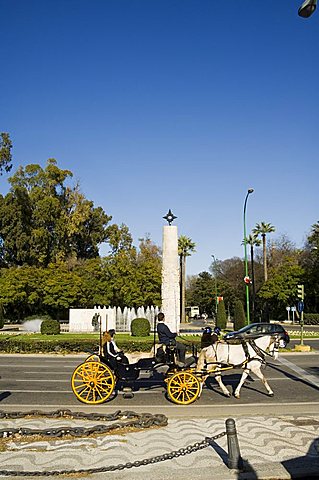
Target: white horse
x=251, y=360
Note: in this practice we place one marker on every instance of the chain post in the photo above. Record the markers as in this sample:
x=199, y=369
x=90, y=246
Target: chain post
x=234, y=458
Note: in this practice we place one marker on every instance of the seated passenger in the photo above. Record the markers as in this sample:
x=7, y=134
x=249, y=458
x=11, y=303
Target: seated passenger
x=166, y=337
x=209, y=337
x=111, y=349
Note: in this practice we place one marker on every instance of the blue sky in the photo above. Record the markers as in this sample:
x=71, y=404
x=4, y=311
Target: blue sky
x=181, y=104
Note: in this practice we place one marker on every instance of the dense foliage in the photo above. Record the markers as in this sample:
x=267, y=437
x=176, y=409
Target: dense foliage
x=221, y=315
x=287, y=267
x=43, y=219
x=5, y=153
x=50, y=236
x=239, y=315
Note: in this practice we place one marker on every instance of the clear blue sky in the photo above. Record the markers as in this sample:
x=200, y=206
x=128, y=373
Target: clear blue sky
x=181, y=104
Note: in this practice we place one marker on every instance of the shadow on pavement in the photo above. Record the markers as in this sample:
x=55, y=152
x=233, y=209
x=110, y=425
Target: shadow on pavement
x=4, y=395
x=292, y=376
x=306, y=466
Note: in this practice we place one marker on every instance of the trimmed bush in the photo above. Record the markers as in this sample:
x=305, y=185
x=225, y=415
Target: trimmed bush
x=239, y=315
x=221, y=319
x=140, y=327
x=311, y=318
x=50, y=327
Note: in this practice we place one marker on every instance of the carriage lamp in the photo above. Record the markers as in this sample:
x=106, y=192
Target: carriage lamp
x=169, y=217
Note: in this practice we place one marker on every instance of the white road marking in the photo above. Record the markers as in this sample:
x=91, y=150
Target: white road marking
x=181, y=407
x=300, y=372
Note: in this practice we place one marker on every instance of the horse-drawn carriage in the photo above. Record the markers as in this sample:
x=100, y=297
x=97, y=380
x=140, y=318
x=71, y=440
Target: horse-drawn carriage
x=99, y=377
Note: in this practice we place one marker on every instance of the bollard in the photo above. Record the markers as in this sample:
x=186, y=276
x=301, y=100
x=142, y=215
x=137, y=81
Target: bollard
x=234, y=458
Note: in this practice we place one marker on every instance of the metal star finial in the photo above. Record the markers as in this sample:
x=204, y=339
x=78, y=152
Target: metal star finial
x=169, y=217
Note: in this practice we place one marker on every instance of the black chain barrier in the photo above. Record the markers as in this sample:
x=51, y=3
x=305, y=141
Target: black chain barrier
x=144, y=420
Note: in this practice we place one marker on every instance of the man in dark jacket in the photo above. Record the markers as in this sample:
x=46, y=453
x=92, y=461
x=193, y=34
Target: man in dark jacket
x=166, y=337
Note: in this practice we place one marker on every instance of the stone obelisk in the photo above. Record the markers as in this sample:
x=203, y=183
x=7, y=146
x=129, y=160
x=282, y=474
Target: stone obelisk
x=170, y=275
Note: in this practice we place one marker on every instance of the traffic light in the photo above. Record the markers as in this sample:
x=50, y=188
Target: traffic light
x=301, y=292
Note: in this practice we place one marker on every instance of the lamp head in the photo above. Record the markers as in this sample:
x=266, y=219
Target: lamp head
x=307, y=8
x=250, y=190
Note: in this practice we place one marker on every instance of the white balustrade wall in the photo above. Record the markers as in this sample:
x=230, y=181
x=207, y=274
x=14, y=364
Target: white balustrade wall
x=80, y=319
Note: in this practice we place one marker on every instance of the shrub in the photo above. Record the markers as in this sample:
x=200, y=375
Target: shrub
x=239, y=315
x=140, y=327
x=311, y=318
x=50, y=327
x=221, y=315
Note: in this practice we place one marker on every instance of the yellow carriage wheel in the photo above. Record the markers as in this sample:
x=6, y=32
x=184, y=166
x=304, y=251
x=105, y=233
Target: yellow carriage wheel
x=183, y=388
x=93, y=382
x=93, y=358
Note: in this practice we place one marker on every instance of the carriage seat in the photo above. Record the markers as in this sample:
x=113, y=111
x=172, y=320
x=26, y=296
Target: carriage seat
x=165, y=353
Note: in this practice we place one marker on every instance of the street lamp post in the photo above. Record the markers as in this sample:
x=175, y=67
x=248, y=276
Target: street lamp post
x=250, y=190
x=216, y=303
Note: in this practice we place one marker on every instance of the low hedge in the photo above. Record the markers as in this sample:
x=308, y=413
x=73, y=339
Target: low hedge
x=56, y=344
x=13, y=344
x=311, y=318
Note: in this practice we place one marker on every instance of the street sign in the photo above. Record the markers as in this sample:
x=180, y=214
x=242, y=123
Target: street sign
x=300, y=306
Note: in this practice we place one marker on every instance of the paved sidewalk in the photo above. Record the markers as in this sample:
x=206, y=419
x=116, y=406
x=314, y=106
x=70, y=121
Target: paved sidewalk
x=272, y=448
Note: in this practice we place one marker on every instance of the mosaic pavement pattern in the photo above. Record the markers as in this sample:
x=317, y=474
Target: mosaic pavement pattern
x=261, y=439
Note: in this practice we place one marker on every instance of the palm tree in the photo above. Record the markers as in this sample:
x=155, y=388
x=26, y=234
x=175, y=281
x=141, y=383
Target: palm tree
x=253, y=241
x=262, y=229
x=185, y=248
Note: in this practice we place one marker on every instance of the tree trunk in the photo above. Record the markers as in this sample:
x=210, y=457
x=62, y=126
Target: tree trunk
x=265, y=257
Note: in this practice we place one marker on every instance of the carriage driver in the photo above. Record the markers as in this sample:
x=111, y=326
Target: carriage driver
x=166, y=337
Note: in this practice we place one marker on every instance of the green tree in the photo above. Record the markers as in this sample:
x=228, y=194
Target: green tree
x=281, y=288
x=239, y=315
x=263, y=229
x=309, y=260
x=149, y=272
x=119, y=238
x=5, y=153
x=61, y=291
x=253, y=241
x=185, y=248
x=221, y=315
x=44, y=220
x=200, y=290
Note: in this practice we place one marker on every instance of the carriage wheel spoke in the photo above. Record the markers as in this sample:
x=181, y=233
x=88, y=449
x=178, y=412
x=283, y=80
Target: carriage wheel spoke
x=93, y=382
x=183, y=388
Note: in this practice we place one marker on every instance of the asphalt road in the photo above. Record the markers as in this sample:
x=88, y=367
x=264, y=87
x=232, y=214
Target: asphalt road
x=43, y=382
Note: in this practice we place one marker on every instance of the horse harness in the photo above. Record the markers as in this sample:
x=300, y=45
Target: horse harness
x=259, y=351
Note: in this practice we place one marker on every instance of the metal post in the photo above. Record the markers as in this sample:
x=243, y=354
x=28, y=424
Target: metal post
x=301, y=327
x=250, y=190
x=216, y=301
x=234, y=458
